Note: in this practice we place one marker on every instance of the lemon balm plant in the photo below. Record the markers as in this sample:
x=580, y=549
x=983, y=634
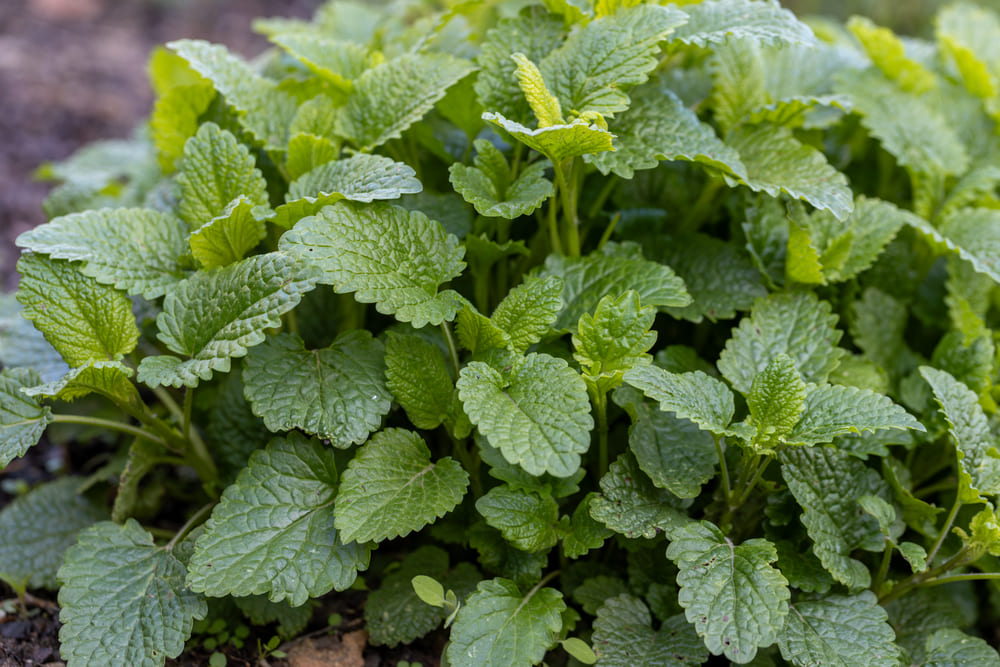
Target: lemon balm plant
x=659, y=331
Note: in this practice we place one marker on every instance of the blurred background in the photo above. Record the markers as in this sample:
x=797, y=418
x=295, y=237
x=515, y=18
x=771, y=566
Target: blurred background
x=73, y=71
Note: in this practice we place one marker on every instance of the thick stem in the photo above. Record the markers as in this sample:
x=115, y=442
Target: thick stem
x=554, y=238
x=570, y=222
x=111, y=426
x=453, y=351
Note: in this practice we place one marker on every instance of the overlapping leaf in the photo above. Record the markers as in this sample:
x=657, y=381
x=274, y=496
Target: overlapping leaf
x=228, y=237
x=831, y=411
x=527, y=520
x=22, y=418
x=528, y=311
x=557, y=142
x=488, y=185
x=624, y=636
x=696, y=396
x=417, y=375
x=631, y=505
x=717, y=21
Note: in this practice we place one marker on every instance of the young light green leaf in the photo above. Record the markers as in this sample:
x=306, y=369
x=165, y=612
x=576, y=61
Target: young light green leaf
x=557, y=142
x=834, y=410
x=391, y=488
x=229, y=237
x=738, y=74
x=273, y=531
x=839, y=630
x=778, y=162
x=83, y=320
x=615, y=338
x=337, y=393
x=736, y=600
x=39, y=526
x=488, y=187
x=528, y=311
x=950, y=647
x=174, y=120
x=386, y=255
x=429, y=590
x=261, y=611
x=827, y=484
x=543, y=103
x=659, y=127
x=337, y=61
x=703, y=399
x=417, y=375
x=264, y=109
x=536, y=412
x=477, y=333
x=527, y=520
x=136, y=250
x=624, y=637
x=776, y=401
x=795, y=323
x=586, y=533
x=979, y=466
x=390, y=97
x=500, y=627
x=590, y=71
x=888, y=53
x=719, y=21
x=219, y=314
x=22, y=418
x=629, y=503
x=147, y=611
x=111, y=379
x=307, y=151
x=587, y=279
x=217, y=169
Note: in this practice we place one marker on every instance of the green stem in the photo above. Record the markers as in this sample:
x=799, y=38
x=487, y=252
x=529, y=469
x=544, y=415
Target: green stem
x=602, y=196
x=931, y=489
x=706, y=200
x=601, y=408
x=920, y=578
x=111, y=426
x=944, y=531
x=554, y=239
x=761, y=466
x=197, y=454
x=883, y=568
x=191, y=523
x=170, y=403
x=446, y=328
x=723, y=471
x=961, y=577
x=188, y=407
x=471, y=463
x=570, y=222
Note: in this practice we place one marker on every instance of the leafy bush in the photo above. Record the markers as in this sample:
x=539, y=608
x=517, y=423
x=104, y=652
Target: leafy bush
x=661, y=332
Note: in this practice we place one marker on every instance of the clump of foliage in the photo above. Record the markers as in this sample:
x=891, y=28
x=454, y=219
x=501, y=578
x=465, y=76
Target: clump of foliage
x=657, y=331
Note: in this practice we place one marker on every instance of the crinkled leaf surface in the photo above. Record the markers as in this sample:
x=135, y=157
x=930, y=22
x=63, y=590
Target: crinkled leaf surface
x=703, y=399
x=111, y=379
x=616, y=337
x=417, y=375
x=795, y=323
x=631, y=505
x=219, y=314
x=216, y=170
x=718, y=21
x=536, y=412
x=134, y=249
x=146, y=611
x=228, y=237
x=337, y=393
x=834, y=410
x=391, y=488
x=624, y=637
x=975, y=232
x=489, y=188
x=22, y=418
x=527, y=520
x=776, y=401
x=273, y=531
x=736, y=600
x=950, y=647
x=827, y=484
x=386, y=255
x=501, y=627
x=337, y=61
x=24, y=346
x=557, y=142
x=390, y=97
x=39, y=526
x=82, y=319
x=839, y=631
x=174, y=120
x=587, y=279
x=528, y=311
x=586, y=532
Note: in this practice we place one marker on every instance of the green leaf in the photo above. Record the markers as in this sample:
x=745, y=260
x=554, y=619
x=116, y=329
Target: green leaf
x=337, y=393
x=488, y=186
x=910, y=129
x=586, y=533
x=794, y=323
x=526, y=519
x=528, y=311
x=417, y=375
x=629, y=503
x=390, y=97
x=543, y=103
x=918, y=615
x=557, y=142
x=229, y=237
x=174, y=120
x=979, y=466
x=501, y=627
x=736, y=600
x=386, y=255
x=587, y=279
x=834, y=410
x=263, y=108
x=261, y=611
x=974, y=232
x=395, y=613
x=969, y=35
x=217, y=169
x=498, y=557
x=703, y=399
x=738, y=75
x=147, y=612
x=616, y=337
x=24, y=346
x=307, y=151
x=83, y=320
x=840, y=631
x=624, y=637
x=217, y=315
x=134, y=249
x=950, y=647
x=273, y=530
x=776, y=401
x=658, y=127
x=536, y=412
x=676, y=454
x=590, y=70
x=827, y=484
x=111, y=379
x=888, y=53
x=777, y=162
x=337, y=61
x=391, y=488
x=22, y=418
x=39, y=526
x=719, y=21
